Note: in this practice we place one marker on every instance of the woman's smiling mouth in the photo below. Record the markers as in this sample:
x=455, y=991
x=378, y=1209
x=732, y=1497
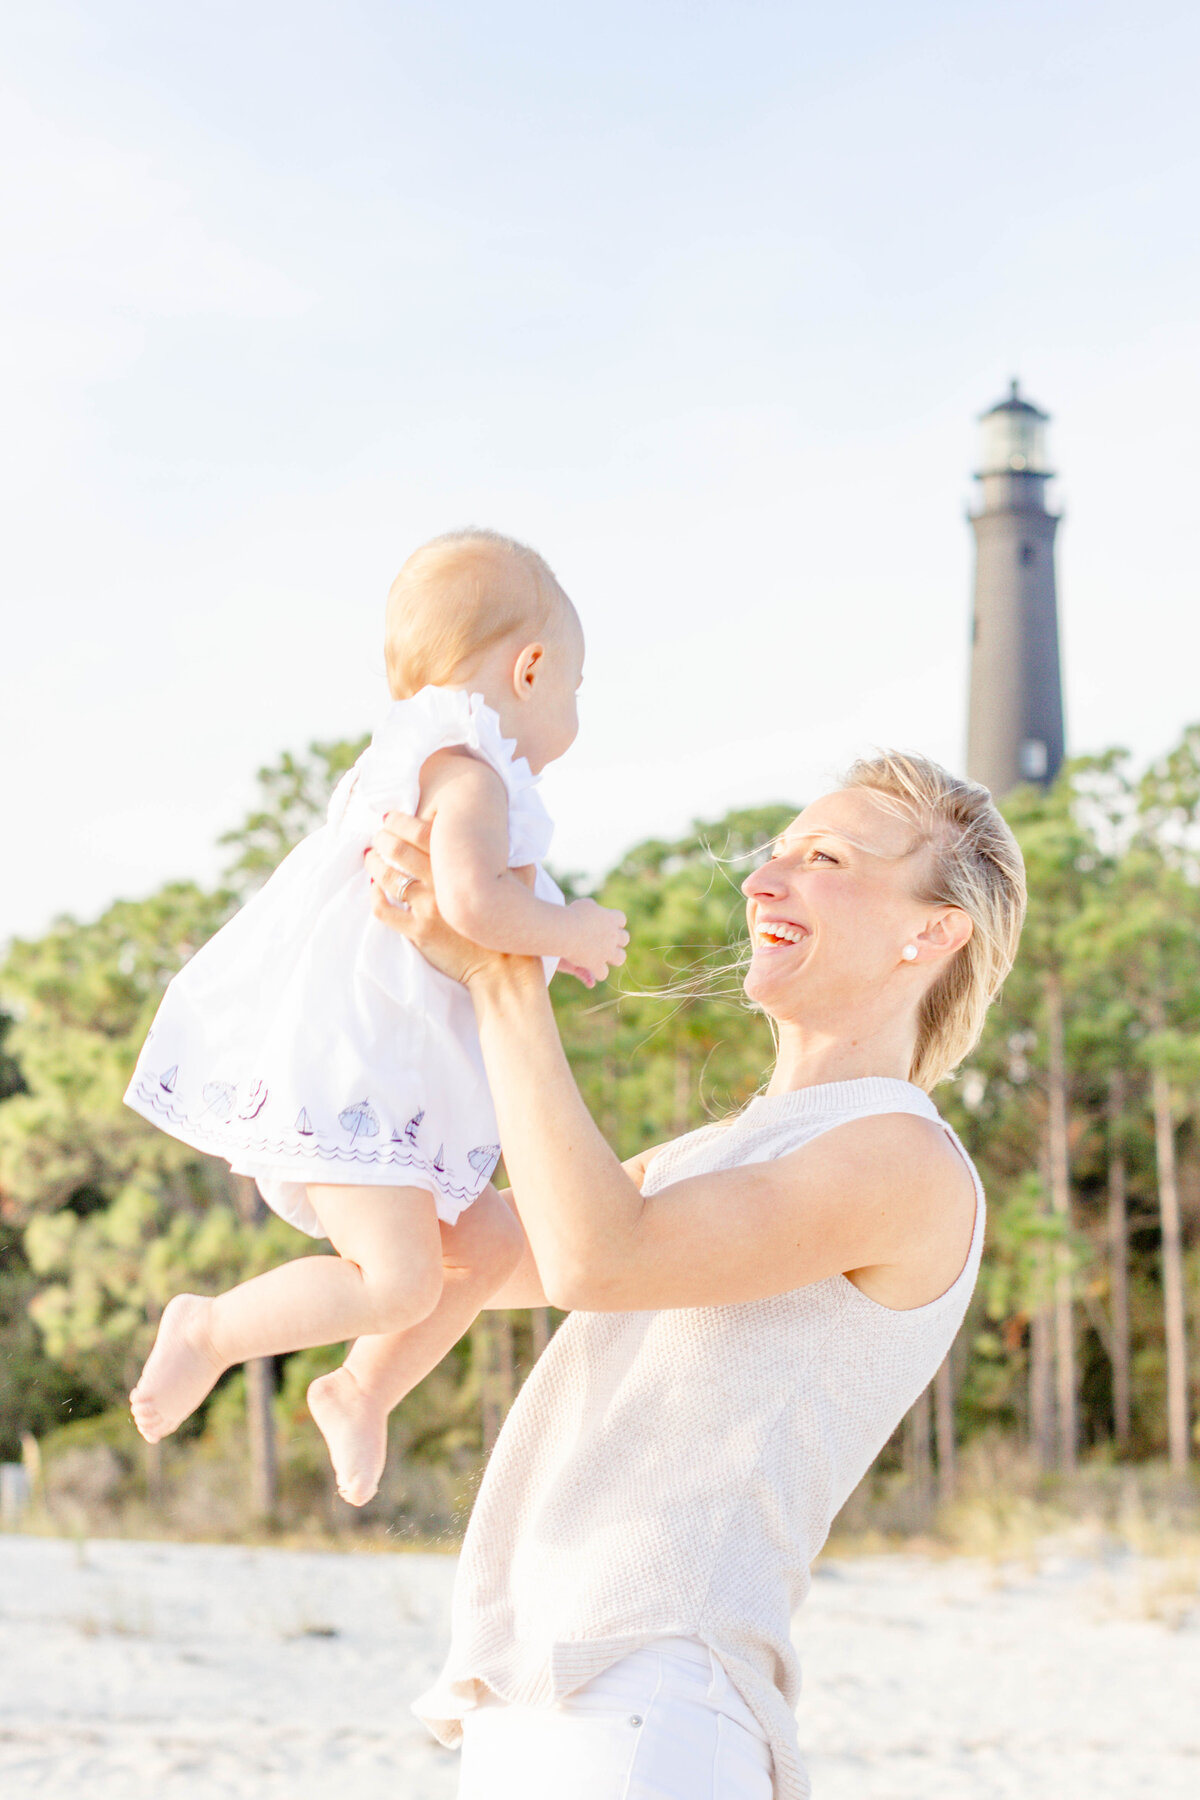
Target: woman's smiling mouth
x=777, y=934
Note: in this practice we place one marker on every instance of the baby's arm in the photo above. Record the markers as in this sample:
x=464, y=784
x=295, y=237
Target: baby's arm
x=480, y=896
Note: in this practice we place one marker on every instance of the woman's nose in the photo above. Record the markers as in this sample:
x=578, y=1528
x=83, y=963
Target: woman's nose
x=762, y=883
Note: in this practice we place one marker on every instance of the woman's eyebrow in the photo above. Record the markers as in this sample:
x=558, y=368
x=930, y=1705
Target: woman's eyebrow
x=807, y=837
x=793, y=839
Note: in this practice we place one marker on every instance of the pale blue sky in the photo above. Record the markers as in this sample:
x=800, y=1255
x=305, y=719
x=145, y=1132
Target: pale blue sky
x=701, y=299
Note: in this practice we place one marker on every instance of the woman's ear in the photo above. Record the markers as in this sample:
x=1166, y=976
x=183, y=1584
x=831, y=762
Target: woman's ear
x=527, y=668
x=947, y=931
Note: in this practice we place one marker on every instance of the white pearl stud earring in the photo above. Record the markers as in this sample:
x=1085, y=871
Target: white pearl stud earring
x=909, y=953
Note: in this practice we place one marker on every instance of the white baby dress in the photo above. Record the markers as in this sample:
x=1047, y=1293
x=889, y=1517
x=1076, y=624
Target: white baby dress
x=306, y=1042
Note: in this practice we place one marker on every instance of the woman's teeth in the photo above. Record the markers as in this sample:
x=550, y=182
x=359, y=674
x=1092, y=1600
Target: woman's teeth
x=779, y=933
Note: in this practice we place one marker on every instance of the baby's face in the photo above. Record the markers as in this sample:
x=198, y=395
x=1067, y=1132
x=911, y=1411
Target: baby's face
x=550, y=718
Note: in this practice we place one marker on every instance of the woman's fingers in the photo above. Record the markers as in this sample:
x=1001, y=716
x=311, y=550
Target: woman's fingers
x=413, y=830
x=403, y=843
x=413, y=912
x=384, y=901
x=398, y=860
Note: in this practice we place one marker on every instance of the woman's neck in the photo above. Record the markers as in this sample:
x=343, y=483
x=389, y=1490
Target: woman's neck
x=809, y=1057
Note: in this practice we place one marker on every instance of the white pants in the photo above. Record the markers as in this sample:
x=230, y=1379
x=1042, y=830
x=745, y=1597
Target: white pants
x=665, y=1723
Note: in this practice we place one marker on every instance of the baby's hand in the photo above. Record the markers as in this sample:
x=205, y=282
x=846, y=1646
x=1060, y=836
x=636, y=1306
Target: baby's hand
x=598, y=938
x=569, y=968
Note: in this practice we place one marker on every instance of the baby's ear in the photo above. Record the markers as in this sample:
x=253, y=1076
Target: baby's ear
x=527, y=668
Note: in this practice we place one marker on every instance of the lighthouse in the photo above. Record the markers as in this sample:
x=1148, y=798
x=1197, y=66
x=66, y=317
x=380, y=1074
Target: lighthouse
x=1015, y=729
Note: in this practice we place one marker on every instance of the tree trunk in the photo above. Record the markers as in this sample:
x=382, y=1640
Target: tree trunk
x=260, y=1385
x=539, y=1323
x=260, y=1423
x=1041, y=1387
x=506, y=1384
x=1059, y=1168
x=1172, y=1271
x=943, y=1415
x=492, y=1347
x=918, y=1455
x=683, y=1091
x=31, y=1456
x=152, y=1464
x=1118, y=1262
x=483, y=1351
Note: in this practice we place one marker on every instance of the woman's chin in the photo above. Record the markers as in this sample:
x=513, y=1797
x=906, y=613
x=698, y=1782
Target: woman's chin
x=765, y=980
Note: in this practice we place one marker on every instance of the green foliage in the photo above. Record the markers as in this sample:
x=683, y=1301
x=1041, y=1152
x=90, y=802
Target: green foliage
x=116, y=1215
x=294, y=793
x=11, y=1080
x=106, y=1276
x=81, y=1000
x=1015, y=1278
x=37, y=1394
x=102, y=1217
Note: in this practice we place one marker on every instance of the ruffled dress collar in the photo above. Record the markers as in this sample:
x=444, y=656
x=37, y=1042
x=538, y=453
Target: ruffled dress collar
x=437, y=718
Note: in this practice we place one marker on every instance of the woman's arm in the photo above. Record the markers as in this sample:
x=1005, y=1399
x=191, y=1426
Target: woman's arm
x=887, y=1200
x=524, y=1286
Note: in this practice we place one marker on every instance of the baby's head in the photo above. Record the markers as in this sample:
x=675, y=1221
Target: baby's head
x=479, y=611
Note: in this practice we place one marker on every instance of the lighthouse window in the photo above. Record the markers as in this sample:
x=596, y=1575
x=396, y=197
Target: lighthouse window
x=1026, y=553
x=1035, y=759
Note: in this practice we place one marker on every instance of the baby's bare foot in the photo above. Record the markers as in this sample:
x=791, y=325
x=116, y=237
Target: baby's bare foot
x=355, y=1430
x=180, y=1370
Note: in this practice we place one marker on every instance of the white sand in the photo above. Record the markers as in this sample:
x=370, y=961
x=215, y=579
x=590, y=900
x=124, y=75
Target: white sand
x=161, y=1672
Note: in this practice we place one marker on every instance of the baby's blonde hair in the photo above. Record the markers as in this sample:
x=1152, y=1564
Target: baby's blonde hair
x=974, y=863
x=455, y=598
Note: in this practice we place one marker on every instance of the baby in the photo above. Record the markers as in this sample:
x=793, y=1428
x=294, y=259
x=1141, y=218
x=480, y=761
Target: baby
x=317, y=1052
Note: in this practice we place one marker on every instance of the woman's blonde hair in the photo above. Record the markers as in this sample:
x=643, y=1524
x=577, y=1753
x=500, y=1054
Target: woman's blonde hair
x=974, y=863
x=455, y=598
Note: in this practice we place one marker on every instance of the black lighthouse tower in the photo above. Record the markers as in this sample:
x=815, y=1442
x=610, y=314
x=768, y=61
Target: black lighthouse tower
x=1015, y=730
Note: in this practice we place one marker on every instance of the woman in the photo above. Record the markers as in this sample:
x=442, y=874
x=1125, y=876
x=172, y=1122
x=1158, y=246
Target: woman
x=755, y=1308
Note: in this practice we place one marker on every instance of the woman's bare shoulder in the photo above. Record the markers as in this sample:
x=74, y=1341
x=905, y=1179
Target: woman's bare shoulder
x=916, y=1142
x=922, y=1181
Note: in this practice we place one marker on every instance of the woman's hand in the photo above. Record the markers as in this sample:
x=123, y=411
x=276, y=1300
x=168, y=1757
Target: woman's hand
x=403, y=899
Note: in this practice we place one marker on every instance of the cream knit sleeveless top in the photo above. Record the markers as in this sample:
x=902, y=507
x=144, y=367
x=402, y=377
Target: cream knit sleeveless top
x=673, y=1474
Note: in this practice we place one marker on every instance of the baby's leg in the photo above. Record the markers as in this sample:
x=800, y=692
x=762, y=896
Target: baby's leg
x=386, y=1276
x=352, y=1404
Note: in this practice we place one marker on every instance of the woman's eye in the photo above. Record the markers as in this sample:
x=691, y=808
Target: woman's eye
x=823, y=856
